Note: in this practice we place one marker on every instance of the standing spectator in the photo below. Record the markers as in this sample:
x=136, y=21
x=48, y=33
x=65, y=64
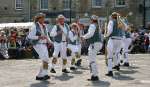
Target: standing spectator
x=134, y=35
x=146, y=43
x=149, y=41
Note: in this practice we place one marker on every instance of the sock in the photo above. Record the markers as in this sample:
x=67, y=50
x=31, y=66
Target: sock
x=45, y=72
x=64, y=64
x=110, y=64
x=94, y=69
x=40, y=73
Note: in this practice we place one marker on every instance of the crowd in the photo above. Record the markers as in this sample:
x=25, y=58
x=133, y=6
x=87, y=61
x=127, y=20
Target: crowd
x=141, y=42
x=14, y=40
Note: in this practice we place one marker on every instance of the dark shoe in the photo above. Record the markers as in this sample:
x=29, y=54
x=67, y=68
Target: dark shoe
x=94, y=78
x=73, y=68
x=126, y=64
x=110, y=73
x=121, y=61
x=78, y=63
x=117, y=67
x=46, y=77
x=52, y=70
x=65, y=71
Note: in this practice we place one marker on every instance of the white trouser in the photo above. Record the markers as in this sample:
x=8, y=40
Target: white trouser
x=74, y=49
x=60, y=48
x=92, y=52
x=42, y=51
x=113, y=50
x=79, y=46
x=127, y=42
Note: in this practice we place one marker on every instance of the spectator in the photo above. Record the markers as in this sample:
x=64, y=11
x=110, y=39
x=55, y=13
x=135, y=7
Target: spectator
x=3, y=45
x=20, y=48
x=146, y=43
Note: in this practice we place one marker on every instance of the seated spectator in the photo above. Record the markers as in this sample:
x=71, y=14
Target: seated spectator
x=12, y=47
x=20, y=48
x=3, y=45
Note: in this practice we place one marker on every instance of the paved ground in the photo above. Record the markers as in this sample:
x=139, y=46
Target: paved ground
x=21, y=73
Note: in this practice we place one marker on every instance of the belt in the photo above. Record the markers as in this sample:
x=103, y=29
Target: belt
x=41, y=43
x=116, y=38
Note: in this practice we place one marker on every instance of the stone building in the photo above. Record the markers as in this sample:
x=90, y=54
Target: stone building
x=24, y=10
x=14, y=10
x=104, y=8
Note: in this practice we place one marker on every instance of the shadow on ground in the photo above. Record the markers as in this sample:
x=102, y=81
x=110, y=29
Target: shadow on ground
x=99, y=84
x=64, y=77
x=77, y=72
x=130, y=71
x=119, y=76
x=42, y=84
x=133, y=67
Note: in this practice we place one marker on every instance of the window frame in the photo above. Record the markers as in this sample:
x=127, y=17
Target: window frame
x=117, y=5
x=21, y=5
x=96, y=6
x=67, y=3
x=44, y=4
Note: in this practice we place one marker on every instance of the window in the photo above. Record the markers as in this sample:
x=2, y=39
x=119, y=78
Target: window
x=147, y=3
x=44, y=4
x=96, y=3
x=19, y=4
x=120, y=3
x=67, y=4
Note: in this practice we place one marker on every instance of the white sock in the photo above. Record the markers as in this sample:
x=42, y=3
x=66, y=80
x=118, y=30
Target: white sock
x=50, y=66
x=40, y=73
x=126, y=57
x=63, y=66
x=109, y=64
x=94, y=69
x=45, y=72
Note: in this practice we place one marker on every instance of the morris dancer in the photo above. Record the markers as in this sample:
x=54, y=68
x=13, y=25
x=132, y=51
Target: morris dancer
x=40, y=39
x=94, y=38
x=114, y=33
x=60, y=34
x=74, y=44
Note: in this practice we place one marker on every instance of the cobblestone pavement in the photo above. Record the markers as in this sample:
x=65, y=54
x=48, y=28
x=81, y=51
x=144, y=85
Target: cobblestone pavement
x=21, y=73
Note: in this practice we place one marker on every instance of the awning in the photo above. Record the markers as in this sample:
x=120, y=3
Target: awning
x=16, y=25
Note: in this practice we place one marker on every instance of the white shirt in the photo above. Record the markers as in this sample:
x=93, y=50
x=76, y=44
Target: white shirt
x=64, y=29
x=91, y=31
x=72, y=37
x=109, y=28
x=32, y=34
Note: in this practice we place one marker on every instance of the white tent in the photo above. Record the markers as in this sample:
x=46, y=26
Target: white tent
x=16, y=25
